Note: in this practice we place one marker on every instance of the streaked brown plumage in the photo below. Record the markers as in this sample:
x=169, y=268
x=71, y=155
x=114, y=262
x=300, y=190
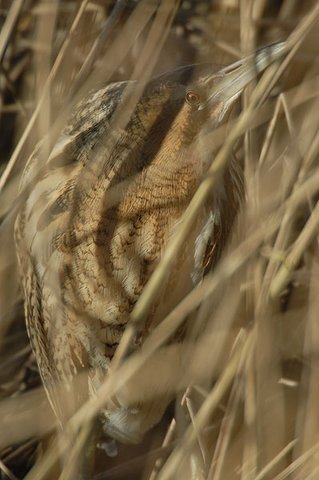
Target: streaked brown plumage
x=100, y=212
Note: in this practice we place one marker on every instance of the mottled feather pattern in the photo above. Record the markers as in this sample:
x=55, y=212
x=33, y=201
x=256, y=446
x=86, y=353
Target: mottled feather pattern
x=95, y=224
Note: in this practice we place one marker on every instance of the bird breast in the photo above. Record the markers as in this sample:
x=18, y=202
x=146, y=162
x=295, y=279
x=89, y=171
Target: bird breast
x=91, y=233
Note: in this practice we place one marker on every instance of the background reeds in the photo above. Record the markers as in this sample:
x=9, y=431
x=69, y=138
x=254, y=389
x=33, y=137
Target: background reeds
x=246, y=377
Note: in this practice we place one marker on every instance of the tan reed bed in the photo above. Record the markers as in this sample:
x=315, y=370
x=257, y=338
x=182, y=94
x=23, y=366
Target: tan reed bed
x=246, y=376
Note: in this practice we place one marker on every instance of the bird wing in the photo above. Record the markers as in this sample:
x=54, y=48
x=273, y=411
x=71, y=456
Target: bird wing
x=46, y=199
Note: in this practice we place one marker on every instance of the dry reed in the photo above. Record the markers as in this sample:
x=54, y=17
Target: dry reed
x=246, y=377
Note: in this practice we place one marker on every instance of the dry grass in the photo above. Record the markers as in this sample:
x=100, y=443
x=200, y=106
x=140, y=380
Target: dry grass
x=246, y=377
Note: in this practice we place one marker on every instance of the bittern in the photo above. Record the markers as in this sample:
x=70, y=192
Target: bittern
x=88, y=239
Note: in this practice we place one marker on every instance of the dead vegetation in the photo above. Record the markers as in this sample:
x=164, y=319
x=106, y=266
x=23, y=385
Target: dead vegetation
x=246, y=377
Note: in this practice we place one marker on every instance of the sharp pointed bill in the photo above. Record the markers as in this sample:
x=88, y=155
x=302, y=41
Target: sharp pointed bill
x=229, y=82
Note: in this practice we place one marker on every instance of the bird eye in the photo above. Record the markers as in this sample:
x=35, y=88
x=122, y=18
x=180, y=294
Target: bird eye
x=193, y=98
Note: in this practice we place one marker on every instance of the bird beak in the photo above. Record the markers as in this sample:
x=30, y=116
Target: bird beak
x=228, y=83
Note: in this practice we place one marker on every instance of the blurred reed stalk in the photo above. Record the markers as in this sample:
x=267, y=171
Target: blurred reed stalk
x=245, y=377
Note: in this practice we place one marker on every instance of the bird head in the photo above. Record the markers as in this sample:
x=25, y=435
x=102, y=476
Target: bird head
x=178, y=105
